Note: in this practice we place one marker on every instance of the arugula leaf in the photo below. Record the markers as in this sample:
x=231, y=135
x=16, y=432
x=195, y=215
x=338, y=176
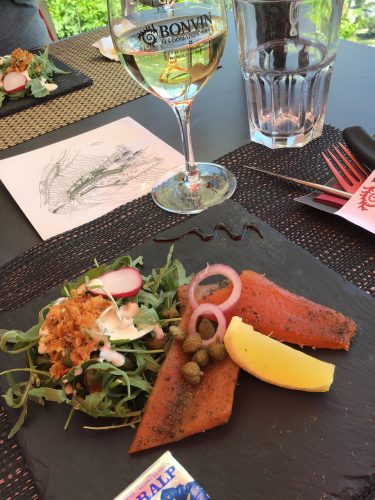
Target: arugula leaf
x=124, y=261
x=50, y=69
x=146, y=316
x=36, y=66
x=15, y=395
x=91, y=274
x=19, y=423
x=180, y=273
x=137, y=381
x=22, y=340
x=149, y=299
x=129, y=380
x=2, y=97
x=154, y=281
x=37, y=87
x=43, y=312
x=167, y=278
x=12, y=383
x=121, y=408
x=97, y=404
x=150, y=363
x=49, y=394
x=5, y=62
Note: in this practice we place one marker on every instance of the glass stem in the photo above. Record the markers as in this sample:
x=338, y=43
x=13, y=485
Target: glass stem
x=182, y=112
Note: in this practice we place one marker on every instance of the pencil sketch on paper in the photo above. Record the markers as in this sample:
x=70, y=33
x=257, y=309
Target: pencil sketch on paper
x=73, y=182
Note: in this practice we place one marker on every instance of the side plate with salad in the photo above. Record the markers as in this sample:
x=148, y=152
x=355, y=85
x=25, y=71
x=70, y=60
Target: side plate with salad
x=30, y=78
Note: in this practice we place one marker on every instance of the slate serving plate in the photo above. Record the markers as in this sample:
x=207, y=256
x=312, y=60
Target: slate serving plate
x=278, y=444
x=75, y=80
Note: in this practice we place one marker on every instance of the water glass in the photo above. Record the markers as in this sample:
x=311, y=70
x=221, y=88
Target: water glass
x=287, y=50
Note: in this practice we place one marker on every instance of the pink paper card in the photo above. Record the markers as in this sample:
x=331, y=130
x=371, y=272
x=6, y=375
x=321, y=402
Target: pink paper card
x=360, y=209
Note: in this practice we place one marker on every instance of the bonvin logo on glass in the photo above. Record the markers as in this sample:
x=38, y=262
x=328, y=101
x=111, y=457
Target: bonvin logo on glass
x=179, y=30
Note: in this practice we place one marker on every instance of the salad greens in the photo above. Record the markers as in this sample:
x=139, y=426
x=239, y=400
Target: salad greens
x=98, y=388
x=38, y=69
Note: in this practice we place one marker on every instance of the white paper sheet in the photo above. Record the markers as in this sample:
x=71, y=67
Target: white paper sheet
x=69, y=183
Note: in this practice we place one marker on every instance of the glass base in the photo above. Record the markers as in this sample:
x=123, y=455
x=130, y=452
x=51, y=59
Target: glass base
x=276, y=141
x=172, y=193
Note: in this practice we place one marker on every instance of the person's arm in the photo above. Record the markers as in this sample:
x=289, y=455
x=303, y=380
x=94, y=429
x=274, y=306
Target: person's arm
x=47, y=18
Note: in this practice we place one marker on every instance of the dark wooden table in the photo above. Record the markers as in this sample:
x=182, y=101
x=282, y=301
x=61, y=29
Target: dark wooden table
x=221, y=102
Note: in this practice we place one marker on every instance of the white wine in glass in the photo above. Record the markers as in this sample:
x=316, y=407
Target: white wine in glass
x=171, y=49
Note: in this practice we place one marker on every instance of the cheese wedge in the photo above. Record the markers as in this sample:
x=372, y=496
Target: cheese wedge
x=274, y=362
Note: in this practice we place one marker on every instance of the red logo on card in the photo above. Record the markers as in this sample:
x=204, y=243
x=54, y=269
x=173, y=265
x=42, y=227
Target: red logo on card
x=367, y=198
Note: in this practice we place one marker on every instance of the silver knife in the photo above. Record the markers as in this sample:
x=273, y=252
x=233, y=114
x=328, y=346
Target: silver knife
x=313, y=185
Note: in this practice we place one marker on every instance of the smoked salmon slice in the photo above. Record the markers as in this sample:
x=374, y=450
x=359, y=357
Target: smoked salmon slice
x=176, y=409
x=285, y=316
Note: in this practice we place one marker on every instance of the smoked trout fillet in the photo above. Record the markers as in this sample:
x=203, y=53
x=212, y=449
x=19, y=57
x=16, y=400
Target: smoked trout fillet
x=285, y=316
x=176, y=409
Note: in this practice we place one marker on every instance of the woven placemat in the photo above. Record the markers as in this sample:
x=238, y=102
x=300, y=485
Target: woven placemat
x=112, y=86
x=344, y=247
x=16, y=480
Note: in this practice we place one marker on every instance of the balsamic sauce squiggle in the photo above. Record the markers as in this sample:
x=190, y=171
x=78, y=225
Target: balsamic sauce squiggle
x=210, y=236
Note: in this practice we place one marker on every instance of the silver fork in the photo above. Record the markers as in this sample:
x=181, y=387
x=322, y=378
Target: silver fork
x=349, y=174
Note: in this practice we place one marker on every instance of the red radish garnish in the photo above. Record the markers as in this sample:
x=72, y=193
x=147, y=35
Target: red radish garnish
x=208, y=310
x=124, y=282
x=214, y=270
x=14, y=82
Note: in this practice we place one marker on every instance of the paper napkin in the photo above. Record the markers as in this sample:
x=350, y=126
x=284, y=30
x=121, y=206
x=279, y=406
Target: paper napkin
x=106, y=48
x=329, y=199
x=360, y=209
x=105, y=44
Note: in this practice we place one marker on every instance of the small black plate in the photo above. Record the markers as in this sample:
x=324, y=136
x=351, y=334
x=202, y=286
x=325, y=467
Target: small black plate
x=74, y=80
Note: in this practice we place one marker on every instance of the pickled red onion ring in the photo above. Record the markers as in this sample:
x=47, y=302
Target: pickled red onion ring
x=214, y=270
x=212, y=310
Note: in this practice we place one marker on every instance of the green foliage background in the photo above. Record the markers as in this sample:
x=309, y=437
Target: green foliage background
x=74, y=16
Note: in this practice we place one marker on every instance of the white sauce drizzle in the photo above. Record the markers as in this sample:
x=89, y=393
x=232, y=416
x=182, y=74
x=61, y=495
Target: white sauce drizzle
x=112, y=356
x=119, y=325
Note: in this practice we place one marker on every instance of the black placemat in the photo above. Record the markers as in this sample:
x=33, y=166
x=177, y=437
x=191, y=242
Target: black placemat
x=344, y=247
x=74, y=80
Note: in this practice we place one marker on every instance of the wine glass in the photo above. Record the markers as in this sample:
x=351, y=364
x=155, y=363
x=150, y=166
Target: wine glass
x=171, y=48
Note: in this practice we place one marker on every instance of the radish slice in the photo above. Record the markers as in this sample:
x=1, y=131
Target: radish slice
x=124, y=282
x=204, y=310
x=214, y=270
x=14, y=82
